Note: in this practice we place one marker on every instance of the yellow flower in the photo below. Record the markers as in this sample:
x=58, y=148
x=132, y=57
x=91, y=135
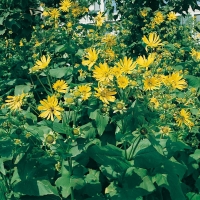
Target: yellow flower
x=92, y=57
x=165, y=130
x=143, y=62
x=159, y=18
x=176, y=81
x=195, y=54
x=45, y=14
x=15, y=102
x=54, y=13
x=60, y=86
x=153, y=40
x=50, y=107
x=102, y=73
x=76, y=11
x=37, y=43
x=126, y=65
x=116, y=71
x=99, y=20
x=155, y=102
x=41, y=64
x=183, y=117
x=109, y=40
x=151, y=83
x=105, y=94
x=85, y=91
x=65, y=5
x=21, y=43
x=69, y=24
x=171, y=16
x=122, y=82
x=69, y=101
x=109, y=54
x=144, y=12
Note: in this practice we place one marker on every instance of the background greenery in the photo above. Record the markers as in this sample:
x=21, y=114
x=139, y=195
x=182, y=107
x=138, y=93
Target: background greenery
x=96, y=153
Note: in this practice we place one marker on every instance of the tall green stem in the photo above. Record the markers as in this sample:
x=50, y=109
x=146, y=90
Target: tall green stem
x=134, y=147
x=42, y=84
x=71, y=171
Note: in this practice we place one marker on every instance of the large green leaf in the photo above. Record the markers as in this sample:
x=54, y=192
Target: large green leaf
x=193, y=81
x=109, y=155
x=100, y=120
x=61, y=72
x=19, y=89
x=193, y=196
x=64, y=183
x=148, y=158
x=35, y=188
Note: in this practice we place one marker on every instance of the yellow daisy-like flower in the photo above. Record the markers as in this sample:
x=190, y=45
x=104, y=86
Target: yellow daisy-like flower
x=15, y=102
x=99, y=19
x=41, y=64
x=54, y=13
x=126, y=65
x=116, y=71
x=85, y=91
x=122, y=82
x=109, y=54
x=176, y=81
x=153, y=40
x=143, y=62
x=45, y=14
x=105, y=94
x=183, y=117
x=171, y=16
x=102, y=73
x=60, y=86
x=151, y=83
x=159, y=18
x=92, y=57
x=109, y=40
x=155, y=102
x=65, y=5
x=195, y=54
x=144, y=12
x=50, y=107
x=165, y=130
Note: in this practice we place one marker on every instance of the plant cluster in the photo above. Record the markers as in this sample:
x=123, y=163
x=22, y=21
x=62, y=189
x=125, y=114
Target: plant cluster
x=85, y=114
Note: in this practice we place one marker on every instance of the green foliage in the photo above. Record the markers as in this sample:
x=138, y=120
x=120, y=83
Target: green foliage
x=74, y=131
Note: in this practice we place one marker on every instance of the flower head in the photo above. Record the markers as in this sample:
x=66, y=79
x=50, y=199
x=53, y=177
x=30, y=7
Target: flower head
x=92, y=57
x=159, y=18
x=49, y=138
x=85, y=91
x=122, y=82
x=126, y=65
x=176, y=81
x=41, y=64
x=151, y=83
x=142, y=61
x=155, y=102
x=50, y=107
x=153, y=40
x=119, y=107
x=99, y=19
x=15, y=102
x=60, y=86
x=171, y=16
x=65, y=5
x=183, y=117
x=102, y=73
x=105, y=94
x=109, y=40
x=54, y=13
